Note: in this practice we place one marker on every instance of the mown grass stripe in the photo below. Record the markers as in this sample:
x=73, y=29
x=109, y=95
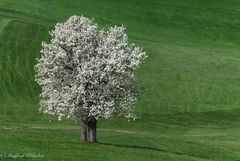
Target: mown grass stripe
x=3, y=22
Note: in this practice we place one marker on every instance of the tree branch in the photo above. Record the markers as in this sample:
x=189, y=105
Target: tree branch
x=68, y=52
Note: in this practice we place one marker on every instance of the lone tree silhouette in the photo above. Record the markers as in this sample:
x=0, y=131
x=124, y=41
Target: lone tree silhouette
x=87, y=73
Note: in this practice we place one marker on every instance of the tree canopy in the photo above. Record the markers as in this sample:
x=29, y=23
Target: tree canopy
x=87, y=73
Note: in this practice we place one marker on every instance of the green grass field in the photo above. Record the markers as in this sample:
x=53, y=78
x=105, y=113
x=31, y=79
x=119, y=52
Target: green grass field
x=191, y=111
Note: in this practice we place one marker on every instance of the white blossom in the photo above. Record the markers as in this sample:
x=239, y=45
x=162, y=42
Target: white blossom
x=86, y=72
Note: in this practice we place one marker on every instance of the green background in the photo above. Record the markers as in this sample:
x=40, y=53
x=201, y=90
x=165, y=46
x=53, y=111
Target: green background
x=190, y=111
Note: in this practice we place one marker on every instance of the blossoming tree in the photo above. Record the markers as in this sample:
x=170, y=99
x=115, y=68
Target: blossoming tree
x=87, y=73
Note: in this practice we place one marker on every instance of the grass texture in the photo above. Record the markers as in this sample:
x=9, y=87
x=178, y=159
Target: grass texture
x=190, y=111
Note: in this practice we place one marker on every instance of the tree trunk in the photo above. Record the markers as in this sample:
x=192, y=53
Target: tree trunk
x=89, y=131
x=83, y=131
x=92, y=131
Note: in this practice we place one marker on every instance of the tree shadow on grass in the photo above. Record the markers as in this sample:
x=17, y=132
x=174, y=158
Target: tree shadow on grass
x=146, y=148
x=141, y=148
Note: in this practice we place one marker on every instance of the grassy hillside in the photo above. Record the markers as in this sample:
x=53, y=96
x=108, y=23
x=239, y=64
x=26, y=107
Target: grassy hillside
x=190, y=111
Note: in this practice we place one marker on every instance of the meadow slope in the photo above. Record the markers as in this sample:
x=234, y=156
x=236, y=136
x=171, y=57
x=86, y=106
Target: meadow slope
x=190, y=111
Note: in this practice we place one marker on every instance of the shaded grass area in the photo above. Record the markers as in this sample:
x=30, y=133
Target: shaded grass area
x=190, y=111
